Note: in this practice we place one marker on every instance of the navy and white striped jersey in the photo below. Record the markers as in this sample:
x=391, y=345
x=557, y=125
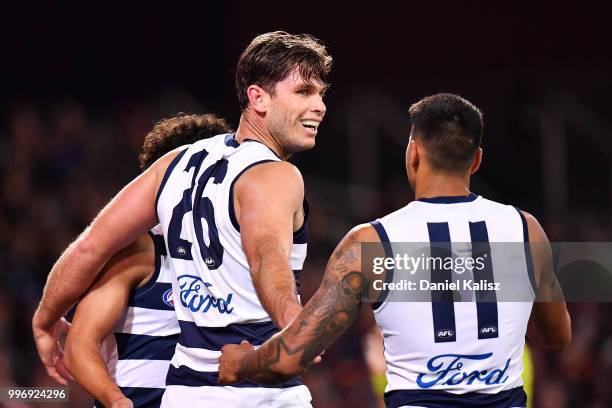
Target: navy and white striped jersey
x=216, y=302
x=456, y=352
x=139, y=351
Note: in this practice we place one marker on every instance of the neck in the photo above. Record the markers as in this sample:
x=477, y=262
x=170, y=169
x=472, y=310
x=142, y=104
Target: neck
x=253, y=127
x=441, y=185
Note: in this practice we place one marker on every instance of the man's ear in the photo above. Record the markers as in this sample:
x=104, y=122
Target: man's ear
x=259, y=99
x=414, y=156
x=476, y=162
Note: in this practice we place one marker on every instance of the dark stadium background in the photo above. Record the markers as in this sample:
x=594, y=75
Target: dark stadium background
x=80, y=84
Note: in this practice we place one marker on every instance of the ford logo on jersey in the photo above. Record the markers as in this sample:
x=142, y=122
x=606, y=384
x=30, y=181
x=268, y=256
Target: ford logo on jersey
x=192, y=299
x=446, y=369
x=167, y=298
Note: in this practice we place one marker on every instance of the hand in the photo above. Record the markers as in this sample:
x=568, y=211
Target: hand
x=123, y=403
x=50, y=350
x=229, y=362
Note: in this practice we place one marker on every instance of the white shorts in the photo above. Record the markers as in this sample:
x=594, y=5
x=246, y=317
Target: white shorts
x=179, y=396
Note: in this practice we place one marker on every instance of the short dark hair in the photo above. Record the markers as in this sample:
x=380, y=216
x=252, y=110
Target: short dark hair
x=270, y=57
x=450, y=128
x=179, y=130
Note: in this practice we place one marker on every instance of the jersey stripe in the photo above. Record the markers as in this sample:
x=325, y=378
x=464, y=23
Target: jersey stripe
x=186, y=376
x=442, y=305
x=213, y=338
x=449, y=199
x=144, y=347
x=171, y=167
x=230, y=140
x=384, y=239
x=515, y=397
x=486, y=300
x=528, y=257
x=160, y=249
x=154, y=299
x=231, y=209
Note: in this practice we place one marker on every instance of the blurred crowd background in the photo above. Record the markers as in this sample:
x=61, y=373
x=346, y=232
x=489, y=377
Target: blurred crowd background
x=79, y=88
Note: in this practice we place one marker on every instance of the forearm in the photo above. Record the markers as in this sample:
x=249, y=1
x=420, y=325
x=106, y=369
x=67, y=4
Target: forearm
x=85, y=363
x=326, y=316
x=323, y=319
x=275, y=286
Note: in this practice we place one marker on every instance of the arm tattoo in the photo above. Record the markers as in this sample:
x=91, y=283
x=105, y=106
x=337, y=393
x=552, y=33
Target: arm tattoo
x=330, y=311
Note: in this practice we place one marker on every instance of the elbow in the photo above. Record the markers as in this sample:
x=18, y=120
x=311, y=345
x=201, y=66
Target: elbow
x=70, y=356
x=74, y=352
x=85, y=244
x=561, y=341
x=558, y=345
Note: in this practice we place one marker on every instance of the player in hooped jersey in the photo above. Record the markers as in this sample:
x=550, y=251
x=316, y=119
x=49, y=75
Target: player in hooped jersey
x=124, y=331
x=439, y=353
x=281, y=80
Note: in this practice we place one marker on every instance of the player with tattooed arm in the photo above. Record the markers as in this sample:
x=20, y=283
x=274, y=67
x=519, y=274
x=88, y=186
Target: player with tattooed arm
x=440, y=352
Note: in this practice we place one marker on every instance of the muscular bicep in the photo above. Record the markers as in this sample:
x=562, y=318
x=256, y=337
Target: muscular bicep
x=549, y=323
x=103, y=305
x=541, y=253
x=129, y=214
x=268, y=197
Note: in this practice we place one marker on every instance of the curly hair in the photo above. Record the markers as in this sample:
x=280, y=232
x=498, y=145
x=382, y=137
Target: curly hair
x=450, y=128
x=270, y=57
x=179, y=130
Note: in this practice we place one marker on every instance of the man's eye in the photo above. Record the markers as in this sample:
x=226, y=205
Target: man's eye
x=303, y=92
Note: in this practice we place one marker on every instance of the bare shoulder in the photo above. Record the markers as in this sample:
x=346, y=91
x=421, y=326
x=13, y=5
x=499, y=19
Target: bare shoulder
x=536, y=232
x=277, y=179
x=133, y=265
x=276, y=173
x=349, y=248
x=364, y=233
x=160, y=167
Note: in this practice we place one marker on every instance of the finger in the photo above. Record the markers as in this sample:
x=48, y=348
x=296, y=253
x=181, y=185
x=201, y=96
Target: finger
x=58, y=352
x=63, y=371
x=47, y=356
x=247, y=344
x=52, y=372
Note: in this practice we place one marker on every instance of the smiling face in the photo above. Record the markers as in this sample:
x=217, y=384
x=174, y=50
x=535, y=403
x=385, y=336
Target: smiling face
x=295, y=111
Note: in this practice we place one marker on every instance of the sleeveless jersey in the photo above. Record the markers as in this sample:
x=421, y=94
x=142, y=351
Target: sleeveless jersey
x=456, y=353
x=216, y=302
x=139, y=351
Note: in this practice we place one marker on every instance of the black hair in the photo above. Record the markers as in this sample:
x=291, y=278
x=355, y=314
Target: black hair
x=450, y=128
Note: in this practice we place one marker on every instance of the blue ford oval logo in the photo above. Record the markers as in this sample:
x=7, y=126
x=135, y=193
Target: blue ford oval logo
x=167, y=298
